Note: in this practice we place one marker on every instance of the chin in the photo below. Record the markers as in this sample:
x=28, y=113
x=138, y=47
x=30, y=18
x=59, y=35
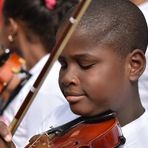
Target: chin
x=86, y=111
x=81, y=111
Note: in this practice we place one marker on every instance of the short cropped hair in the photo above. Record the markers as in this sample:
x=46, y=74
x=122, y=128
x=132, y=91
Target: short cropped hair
x=118, y=23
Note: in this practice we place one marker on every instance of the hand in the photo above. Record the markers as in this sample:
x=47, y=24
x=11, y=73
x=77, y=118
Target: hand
x=6, y=137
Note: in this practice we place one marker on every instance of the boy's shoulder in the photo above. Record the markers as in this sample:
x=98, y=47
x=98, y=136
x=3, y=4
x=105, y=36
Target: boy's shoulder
x=136, y=132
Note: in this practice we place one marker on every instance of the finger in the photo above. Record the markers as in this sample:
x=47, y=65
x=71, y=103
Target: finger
x=4, y=144
x=5, y=132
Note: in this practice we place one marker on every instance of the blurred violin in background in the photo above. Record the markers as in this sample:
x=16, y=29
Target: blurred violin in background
x=10, y=65
x=11, y=68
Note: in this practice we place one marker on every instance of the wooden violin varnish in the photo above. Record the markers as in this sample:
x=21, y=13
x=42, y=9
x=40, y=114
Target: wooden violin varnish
x=102, y=131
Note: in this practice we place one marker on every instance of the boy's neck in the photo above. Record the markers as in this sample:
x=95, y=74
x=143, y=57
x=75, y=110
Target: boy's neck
x=128, y=115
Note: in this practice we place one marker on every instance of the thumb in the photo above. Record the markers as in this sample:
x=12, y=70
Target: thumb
x=5, y=132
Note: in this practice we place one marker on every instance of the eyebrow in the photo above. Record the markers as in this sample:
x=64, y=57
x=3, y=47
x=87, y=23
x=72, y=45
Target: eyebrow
x=80, y=56
x=84, y=56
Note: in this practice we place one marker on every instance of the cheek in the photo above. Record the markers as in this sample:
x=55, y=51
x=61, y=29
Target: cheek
x=103, y=85
x=94, y=84
x=96, y=88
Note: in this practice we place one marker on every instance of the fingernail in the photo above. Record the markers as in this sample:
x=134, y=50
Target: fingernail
x=8, y=138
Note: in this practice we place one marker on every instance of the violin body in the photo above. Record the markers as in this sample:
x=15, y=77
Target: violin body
x=102, y=135
x=12, y=66
x=106, y=134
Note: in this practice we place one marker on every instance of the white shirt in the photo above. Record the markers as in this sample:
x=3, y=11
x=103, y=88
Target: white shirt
x=59, y=116
x=47, y=99
x=143, y=81
x=136, y=132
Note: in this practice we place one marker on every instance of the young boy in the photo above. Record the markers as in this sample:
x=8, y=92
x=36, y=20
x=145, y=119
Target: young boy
x=101, y=65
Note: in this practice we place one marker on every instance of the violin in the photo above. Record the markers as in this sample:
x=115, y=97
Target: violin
x=11, y=65
x=102, y=131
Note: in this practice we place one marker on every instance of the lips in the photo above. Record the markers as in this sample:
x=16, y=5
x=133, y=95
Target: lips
x=73, y=97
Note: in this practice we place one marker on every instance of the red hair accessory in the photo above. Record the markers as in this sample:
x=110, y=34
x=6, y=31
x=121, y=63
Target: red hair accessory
x=50, y=4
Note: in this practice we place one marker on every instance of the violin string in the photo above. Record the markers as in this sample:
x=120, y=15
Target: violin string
x=30, y=146
x=50, y=136
x=44, y=133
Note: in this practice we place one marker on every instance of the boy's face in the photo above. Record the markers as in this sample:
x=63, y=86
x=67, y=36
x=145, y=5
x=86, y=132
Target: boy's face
x=92, y=77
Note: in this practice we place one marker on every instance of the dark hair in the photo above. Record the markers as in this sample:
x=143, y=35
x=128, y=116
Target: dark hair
x=39, y=19
x=118, y=23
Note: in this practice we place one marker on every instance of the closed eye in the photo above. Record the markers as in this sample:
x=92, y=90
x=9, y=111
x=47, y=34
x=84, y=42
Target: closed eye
x=86, y=61
x=86, y=66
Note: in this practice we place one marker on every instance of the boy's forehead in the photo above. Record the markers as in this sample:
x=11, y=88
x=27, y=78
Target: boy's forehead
x=79, y=39
x=86, y=34
x=82, y=42
x=61, y=30
x=82, y=49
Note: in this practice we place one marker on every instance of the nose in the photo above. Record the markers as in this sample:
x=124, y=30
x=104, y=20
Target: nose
x=68, y=77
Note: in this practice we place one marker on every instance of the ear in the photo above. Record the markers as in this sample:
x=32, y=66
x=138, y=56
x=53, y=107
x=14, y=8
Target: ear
x=13, y=27
x=136, y=65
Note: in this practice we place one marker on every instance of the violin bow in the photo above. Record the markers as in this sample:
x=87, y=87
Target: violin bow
x=58, y=48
